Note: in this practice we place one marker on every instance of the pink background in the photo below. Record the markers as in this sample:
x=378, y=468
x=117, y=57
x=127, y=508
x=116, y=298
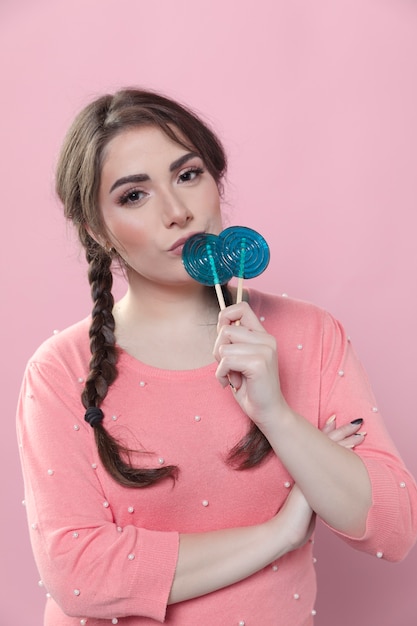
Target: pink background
x=316, y=103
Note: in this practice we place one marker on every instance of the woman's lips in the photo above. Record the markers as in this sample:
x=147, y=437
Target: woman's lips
x=178, y=245
x=177, y=250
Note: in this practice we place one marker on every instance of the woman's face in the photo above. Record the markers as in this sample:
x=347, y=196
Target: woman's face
x=154, y=194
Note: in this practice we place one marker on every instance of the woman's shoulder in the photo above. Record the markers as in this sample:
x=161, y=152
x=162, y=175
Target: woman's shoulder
x=298, y=320
x=286, y=316
x=284, y=307
x=71, y=345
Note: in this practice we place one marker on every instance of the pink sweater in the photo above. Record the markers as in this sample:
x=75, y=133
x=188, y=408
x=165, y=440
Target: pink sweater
x=107, y=554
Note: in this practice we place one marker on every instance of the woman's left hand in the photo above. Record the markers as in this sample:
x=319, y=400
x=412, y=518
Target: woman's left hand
x=248, y=362
x=348, y=435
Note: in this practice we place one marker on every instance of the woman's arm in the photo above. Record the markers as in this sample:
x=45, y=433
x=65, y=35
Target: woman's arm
x=213, y=560
x=334, y=480
x=210, y=561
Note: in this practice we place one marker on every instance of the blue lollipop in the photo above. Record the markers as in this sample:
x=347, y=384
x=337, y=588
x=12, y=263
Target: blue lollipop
x=245, y=252
x=203, y=260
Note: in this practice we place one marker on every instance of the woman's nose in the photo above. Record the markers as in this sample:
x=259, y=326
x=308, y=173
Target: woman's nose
x=175, y=210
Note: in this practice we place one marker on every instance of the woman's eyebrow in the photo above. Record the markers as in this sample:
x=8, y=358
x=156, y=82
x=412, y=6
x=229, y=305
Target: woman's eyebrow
x=140, y=178
x=133, y=178
x=183, y=159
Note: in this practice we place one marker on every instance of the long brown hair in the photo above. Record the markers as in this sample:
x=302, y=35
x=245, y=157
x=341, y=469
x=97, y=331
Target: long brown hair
x=77, y=183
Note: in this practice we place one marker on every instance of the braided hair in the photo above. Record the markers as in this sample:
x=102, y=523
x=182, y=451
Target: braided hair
x=77, y=183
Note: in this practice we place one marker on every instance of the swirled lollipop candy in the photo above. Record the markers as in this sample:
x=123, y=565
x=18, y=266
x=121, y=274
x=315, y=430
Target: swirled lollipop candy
x=203, y=260
x=245, y=252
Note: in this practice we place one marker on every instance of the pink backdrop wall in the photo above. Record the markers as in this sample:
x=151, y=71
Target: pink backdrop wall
x=316, y=103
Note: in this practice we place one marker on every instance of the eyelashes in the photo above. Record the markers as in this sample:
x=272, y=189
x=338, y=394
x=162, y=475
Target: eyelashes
x=190, y=174
x=135, y=195
x=132, y=196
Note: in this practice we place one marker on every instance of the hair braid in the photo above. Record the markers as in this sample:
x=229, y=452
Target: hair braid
x=103, y=369
x=103, y=372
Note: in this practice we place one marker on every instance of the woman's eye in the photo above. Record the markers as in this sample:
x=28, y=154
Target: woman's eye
x=133, y=196
x=191, y=174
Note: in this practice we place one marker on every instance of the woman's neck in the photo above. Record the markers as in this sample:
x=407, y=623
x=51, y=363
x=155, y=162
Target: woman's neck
x=168, y=328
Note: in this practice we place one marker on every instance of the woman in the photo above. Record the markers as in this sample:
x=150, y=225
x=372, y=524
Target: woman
x=175, y=460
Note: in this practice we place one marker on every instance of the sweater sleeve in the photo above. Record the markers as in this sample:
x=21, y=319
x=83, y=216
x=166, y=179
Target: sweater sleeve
x=90, y=566
x=391, y=527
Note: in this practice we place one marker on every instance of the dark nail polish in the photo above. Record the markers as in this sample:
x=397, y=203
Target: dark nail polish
x=357, y=421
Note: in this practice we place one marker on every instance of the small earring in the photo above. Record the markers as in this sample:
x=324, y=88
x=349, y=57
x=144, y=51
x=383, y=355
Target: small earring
x=108, y=248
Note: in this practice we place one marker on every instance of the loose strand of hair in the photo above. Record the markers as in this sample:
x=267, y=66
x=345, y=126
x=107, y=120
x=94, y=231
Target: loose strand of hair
x=251, y=450
x=110, y=452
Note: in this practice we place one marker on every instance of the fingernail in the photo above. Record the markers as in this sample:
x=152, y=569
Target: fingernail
x=331, y=419
x=357, y=421
x=232, y=386
x=363, y=434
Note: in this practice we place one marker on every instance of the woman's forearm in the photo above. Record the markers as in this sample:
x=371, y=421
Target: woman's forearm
x=333, y=479
x=213, y=560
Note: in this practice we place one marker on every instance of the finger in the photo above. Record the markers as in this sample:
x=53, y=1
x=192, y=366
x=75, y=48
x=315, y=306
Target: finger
x=239, y=312
x=239, y=335
x=346, y=430
x=353, y=441
x=330, y=425
x=235, y=381
x=249, y=362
